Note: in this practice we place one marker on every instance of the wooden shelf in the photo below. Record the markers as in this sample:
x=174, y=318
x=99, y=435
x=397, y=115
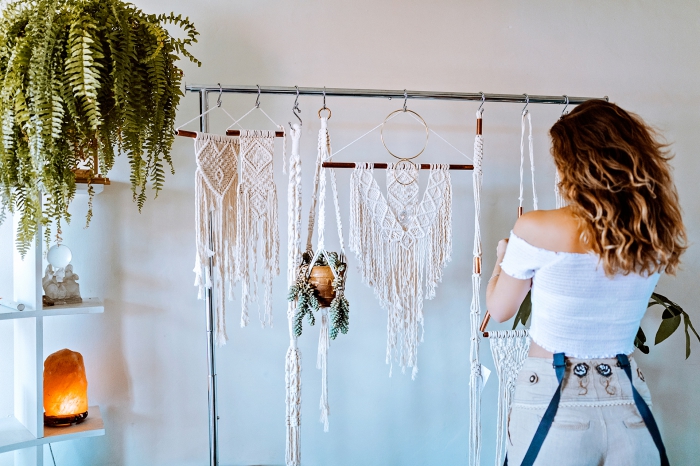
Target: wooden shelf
x=88, y=306
x=14, y=436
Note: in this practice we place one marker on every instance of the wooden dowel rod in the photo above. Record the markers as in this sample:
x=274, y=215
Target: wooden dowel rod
x=485, y=322
x=382, y=166
x=187, y=134
x=237, y=132
x=229, y=132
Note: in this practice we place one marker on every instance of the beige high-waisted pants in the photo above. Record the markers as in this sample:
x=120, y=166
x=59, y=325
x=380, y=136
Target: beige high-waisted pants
x=597, y=422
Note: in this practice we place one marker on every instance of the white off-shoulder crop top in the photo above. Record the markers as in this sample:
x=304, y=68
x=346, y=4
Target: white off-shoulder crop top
x=576, y=308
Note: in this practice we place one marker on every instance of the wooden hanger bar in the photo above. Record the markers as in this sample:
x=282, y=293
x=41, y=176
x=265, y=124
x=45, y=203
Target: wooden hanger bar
x=237, y=132
x=383, y=166
x=229, y=132
x=484, y=323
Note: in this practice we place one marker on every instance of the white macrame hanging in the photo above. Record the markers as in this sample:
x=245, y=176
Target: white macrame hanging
x=324, y=154
x=526, y=115
x=257, y=221
x=292, y=374
x=509, y=350
x=510, y=347
x=475, y=378
x=402, y=246
x=216, y=187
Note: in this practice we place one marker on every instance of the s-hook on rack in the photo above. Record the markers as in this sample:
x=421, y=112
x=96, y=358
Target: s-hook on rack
x=205, y=89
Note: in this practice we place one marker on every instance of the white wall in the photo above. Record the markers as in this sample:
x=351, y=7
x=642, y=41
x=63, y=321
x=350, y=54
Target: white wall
x=146, y=356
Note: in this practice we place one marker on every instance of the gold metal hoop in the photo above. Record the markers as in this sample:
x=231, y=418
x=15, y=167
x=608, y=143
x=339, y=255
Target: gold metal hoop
x=409, y=161
x=427, y=132
x=322, y=109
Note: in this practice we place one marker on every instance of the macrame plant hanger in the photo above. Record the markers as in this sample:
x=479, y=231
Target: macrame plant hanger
x=339, y=320
x=475, y=377
x=325, y=290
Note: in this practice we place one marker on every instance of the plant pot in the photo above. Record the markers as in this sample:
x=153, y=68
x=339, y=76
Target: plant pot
x=321, y=278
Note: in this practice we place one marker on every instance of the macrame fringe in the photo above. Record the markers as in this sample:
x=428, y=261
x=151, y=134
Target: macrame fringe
x=292, y=377
x=394, y=260
x=216, y=186
x=324, y=343
x=526, y=115
x=292, y=374
x=475, y=378
x=509, y=350
x=257, y=222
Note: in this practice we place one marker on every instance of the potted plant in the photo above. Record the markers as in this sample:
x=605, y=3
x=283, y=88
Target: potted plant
x=83, y=81
x=321, y=287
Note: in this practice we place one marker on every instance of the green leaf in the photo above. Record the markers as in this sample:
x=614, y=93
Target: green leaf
x=640, y=340
x=669, y=324
x=523, y=314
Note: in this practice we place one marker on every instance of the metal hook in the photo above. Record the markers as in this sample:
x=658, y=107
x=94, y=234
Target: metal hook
x=564, y=112
x=218, y=100
x=324, y=98
x=257, y=101
x=527, y=102
x=405, y=99
x=295, y=109
x=483, y=101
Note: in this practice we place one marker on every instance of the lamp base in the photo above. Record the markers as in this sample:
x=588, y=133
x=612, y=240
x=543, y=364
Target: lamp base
x=64, y=421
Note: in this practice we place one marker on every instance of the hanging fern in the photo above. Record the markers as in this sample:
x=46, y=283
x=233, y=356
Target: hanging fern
x=83, y=78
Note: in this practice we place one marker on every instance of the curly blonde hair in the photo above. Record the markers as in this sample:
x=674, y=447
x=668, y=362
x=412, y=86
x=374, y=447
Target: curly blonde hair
x=616, y=177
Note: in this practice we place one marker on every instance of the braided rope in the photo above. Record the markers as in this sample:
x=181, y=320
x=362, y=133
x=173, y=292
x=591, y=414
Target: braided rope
x=293, y=356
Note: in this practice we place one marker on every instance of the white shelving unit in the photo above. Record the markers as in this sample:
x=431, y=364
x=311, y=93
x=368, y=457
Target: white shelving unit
x=24, y=433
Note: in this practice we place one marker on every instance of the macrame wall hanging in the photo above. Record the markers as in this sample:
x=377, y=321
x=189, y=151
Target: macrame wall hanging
x=509, y=350
x=402, y=246
x=257, y=222
x=216, y=186
x=320, y=279
x=292, y=368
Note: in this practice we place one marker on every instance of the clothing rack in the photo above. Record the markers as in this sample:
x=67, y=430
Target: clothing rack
x=205, y=89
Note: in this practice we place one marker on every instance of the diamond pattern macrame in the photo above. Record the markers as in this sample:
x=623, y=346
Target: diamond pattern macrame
x=402, y=245
x=257, y=221
x=216, y=183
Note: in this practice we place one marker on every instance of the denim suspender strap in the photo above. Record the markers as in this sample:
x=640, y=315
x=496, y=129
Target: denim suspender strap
x=546, y=422
x=644, y=411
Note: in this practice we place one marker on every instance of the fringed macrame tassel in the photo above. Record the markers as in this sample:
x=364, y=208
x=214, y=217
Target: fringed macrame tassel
x=324, y=343
x=293, y=358
x=509, y=350
x=216, y=186
x=292, y=379
x=475, y=379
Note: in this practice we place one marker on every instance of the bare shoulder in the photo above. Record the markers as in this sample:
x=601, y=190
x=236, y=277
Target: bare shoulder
x=555, y=230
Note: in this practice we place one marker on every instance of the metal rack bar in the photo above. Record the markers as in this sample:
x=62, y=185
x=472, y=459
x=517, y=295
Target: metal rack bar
x=383, y=166
x=391, y=94
x=209, y=308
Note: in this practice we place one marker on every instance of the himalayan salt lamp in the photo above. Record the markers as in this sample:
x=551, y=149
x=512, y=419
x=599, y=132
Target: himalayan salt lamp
x=65, y=389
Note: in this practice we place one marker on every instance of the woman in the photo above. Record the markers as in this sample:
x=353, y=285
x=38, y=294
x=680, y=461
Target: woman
x=592, y=267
